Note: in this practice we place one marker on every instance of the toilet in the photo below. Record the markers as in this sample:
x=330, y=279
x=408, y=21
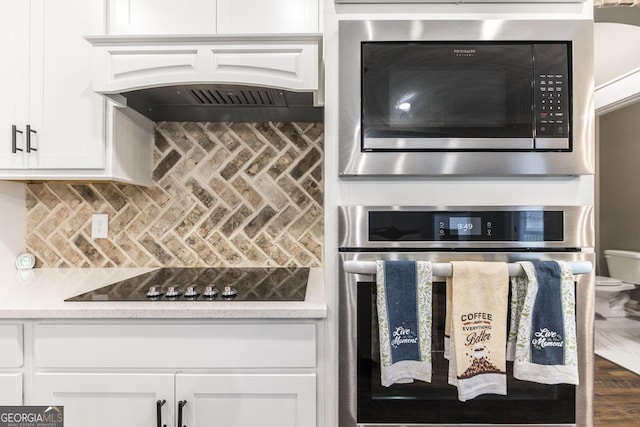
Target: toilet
x=612, y=293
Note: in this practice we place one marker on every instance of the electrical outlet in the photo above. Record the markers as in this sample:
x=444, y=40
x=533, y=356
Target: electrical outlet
x=99, y=226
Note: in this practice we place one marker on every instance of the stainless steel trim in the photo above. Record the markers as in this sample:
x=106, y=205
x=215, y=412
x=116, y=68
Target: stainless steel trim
x=354, y=162
x=434, y=1
x=447, y=143
x=353, y=228
x=552, y=143
x=444, y=269
x=462, y=425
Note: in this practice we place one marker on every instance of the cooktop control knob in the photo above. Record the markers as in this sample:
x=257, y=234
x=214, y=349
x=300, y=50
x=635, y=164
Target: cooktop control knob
x=229, y=292
x=153, y=292
x=191, y=292
x=210, y=292
x=172, y=292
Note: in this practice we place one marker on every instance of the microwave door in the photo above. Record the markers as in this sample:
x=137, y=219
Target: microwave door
x=447, y=96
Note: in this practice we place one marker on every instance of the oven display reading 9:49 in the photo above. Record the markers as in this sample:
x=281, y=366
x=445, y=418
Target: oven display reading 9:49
x=465, y=226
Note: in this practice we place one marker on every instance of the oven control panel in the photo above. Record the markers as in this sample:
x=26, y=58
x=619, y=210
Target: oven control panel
x=430, y=226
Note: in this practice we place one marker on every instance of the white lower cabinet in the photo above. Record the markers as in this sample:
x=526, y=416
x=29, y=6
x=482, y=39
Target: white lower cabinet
x=231, y=374
x=107, y=399
x=11, y=363
x=132, y=400
x=247, y=400
x=11, y=389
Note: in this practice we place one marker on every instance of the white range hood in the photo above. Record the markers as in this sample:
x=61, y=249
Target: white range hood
x=182, y=77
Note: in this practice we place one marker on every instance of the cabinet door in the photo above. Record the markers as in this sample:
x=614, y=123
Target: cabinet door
x=247, y=400
x=107, y=400
x=65, y=113
x=162, y=17
x=14, y=45
x=267, y=16
x=10, y=389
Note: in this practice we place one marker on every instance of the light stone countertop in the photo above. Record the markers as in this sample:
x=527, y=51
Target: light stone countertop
x=40, y=294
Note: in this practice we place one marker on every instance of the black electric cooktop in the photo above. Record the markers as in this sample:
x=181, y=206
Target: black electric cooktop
x=207, y=284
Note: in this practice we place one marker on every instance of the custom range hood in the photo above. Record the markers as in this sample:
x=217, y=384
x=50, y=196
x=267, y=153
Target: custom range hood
x=248, y=78
x=223, y=103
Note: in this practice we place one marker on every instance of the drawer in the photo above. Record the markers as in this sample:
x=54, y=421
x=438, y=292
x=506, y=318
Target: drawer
x=175, y=345
x=11, y=353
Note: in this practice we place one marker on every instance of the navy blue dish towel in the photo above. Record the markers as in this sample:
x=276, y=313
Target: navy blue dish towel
x=547, y=324
x=402, y=310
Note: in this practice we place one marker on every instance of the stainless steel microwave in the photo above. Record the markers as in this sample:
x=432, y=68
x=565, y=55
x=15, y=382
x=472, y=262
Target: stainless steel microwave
x=491, y=97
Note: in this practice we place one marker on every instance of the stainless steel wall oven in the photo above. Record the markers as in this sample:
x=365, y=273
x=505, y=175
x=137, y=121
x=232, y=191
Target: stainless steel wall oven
x=507, y=234
x=492, y=97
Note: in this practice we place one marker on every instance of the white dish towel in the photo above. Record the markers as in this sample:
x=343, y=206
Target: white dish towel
x=477, y=362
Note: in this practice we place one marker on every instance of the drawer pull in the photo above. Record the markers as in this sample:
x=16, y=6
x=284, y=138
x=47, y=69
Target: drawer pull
x=29, y=147
x=14, y=139
x=181, y=405
x=159, y=405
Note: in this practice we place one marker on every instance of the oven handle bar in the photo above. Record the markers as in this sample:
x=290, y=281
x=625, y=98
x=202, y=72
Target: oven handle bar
x=444, y=269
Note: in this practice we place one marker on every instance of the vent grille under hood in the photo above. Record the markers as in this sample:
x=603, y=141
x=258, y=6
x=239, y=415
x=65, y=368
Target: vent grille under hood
x=241, y=96
x=224, y=103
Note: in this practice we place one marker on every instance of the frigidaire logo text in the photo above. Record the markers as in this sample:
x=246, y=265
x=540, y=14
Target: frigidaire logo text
x=464, y=52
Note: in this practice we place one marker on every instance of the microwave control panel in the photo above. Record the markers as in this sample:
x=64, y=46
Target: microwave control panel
x=552, y=93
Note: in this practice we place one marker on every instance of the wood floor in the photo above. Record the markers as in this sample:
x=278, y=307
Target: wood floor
x=617, y=396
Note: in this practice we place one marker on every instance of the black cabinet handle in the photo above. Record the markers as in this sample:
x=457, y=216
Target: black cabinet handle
x=159, y=405
x=29, y=131
x=14, y=139
x=181, y=405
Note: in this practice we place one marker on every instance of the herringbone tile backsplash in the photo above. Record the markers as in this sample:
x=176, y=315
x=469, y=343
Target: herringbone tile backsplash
x=225, y=194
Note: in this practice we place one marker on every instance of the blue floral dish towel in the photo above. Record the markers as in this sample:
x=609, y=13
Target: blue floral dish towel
x=404, y=303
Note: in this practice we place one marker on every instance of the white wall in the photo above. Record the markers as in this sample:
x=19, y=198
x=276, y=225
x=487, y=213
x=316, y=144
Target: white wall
x=427, y=191
x=616, y=65
x=619, y=178
x=12, y=223
x=616, y=51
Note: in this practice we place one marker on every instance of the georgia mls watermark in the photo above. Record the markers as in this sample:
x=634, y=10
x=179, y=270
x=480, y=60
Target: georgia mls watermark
x=31, y=416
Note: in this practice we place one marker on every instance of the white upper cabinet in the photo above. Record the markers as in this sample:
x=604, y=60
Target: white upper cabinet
x=162, y=17
x=65, y=113
x=53, y=125
x=51, y=113
x=170, y=17
x=268, y=16
x=14, y=80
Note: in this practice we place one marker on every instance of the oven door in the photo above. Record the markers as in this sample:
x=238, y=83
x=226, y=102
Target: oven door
x=364, y=401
